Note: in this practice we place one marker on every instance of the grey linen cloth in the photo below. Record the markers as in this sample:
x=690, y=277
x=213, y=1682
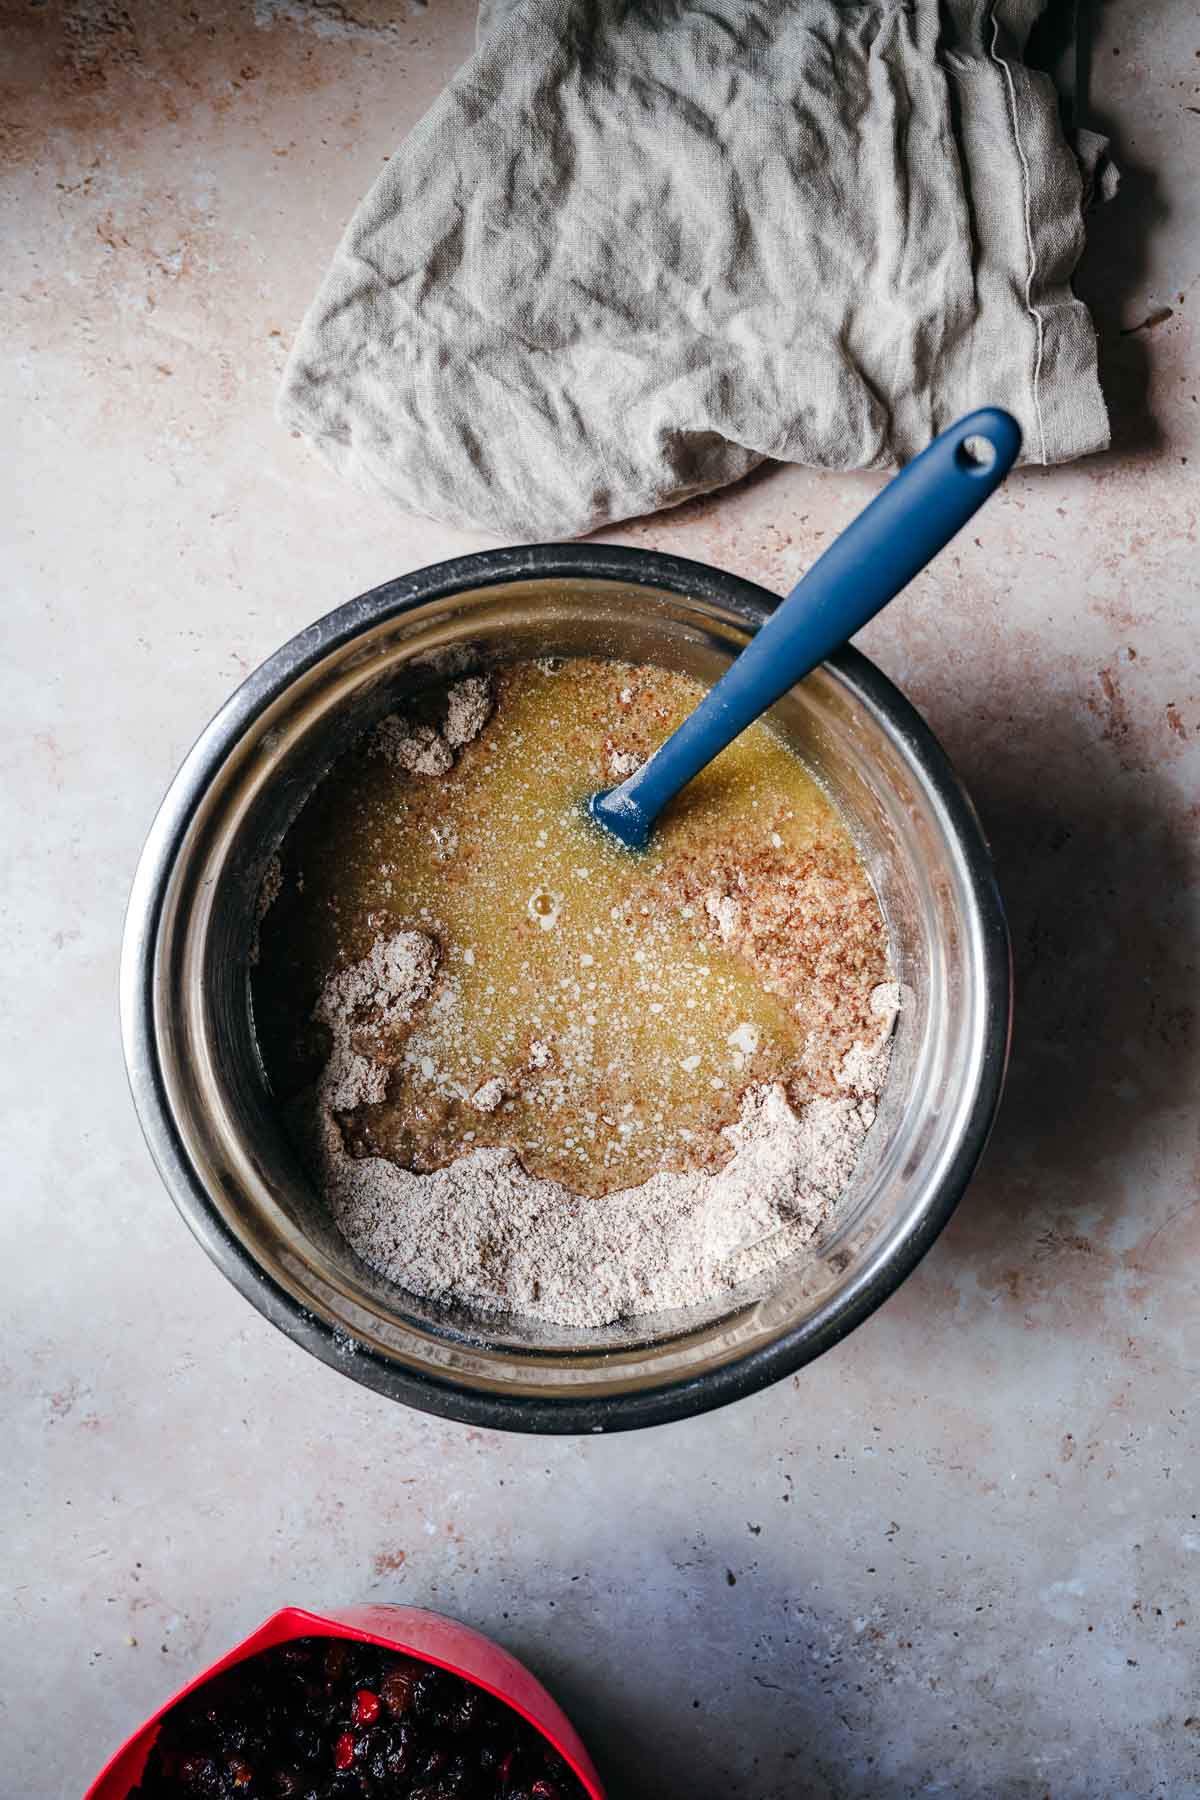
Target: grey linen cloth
x=639, y=246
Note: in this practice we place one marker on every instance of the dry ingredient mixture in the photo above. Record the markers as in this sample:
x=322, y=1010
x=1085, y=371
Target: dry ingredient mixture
x=534, y=1072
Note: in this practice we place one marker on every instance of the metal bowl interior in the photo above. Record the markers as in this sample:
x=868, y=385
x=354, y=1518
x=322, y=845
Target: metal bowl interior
x=202, y=1093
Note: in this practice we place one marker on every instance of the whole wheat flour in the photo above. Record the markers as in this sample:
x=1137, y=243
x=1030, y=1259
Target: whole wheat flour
x=484, y=1232
x=421, y=749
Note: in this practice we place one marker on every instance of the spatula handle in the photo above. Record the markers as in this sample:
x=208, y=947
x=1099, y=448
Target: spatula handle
x=901, y=530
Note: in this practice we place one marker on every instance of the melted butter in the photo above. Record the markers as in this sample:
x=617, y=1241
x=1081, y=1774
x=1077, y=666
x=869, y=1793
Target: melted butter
x=620, y=1029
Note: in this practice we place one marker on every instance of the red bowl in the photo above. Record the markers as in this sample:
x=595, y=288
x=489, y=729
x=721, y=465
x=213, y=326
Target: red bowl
x=425, y=1635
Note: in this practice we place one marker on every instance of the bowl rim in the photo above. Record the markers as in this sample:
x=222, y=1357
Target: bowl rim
x=626, y=1410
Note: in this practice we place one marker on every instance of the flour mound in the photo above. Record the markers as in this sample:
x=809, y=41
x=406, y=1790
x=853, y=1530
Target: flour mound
x=468, y=709
x=423, y=749
x=365, y=1007
x=417, y=749
x=484, y=1232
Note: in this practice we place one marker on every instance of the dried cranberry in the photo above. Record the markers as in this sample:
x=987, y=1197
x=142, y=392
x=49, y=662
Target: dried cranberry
x=343, y=1751
x=366, y=1707
x=240, y=1774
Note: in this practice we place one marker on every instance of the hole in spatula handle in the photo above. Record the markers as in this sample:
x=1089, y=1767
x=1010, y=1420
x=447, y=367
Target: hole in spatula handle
x=976, y=454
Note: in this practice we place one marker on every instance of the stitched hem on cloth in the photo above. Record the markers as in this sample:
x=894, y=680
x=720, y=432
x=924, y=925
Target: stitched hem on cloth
x=1065, y=337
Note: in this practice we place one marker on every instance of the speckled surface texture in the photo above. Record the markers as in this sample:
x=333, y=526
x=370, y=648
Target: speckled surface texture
x=960, y=1555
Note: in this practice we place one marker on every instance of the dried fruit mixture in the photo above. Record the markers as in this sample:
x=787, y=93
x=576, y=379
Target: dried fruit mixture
x=331, y=1719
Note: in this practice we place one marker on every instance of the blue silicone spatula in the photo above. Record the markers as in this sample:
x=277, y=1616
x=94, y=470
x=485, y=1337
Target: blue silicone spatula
x=904, y=527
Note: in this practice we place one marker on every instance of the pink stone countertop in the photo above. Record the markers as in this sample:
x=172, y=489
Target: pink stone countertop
x=959, y=1555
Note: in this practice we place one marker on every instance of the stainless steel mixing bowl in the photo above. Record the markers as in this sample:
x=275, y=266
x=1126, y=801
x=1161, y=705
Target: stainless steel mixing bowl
x=202, y=1095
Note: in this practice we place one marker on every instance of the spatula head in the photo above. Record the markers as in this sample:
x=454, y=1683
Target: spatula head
x=619, y=814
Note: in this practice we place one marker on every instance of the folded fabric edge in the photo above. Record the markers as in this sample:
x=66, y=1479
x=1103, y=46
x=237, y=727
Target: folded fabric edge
x=340, y=454
x=1066, y=398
